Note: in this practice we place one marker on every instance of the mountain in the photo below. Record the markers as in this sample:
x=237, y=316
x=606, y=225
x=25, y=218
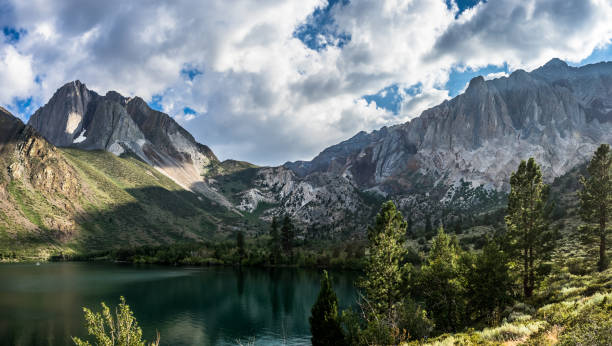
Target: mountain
x=92, y=172
x=66, y=200
x=454, y=157
x=77, y=117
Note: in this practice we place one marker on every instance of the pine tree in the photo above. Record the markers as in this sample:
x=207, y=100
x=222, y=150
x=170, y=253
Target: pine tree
x=528, y=236
x=324, y=322
x=287, y=235
x=383, y=275
x=240, y=245
x=409, y=227
x=457, y=229
x=275, y=247
x=596, y=199
x=440, y=282
x=428, y=226
x=488, y=282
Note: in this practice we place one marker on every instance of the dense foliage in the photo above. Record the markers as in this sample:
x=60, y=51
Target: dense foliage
x=120, y=329
x=455, y=289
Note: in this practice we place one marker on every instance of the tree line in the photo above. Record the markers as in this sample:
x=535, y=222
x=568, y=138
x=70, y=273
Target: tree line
x=455, y=289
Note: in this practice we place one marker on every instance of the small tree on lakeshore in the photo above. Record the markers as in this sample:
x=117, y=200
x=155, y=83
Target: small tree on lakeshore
x=382, y=281
x=275, y=242
x=287, y=235
x=324, y=321
x=240, y=245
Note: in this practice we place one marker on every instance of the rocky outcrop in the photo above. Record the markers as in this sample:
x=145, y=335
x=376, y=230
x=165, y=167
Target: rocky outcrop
x=30, y=163
x=78, y=117
x=31, y=159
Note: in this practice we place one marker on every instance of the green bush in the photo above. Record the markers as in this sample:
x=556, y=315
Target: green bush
x=119, y=330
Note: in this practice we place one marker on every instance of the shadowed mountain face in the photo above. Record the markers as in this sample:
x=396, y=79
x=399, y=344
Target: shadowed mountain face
x=80, y=118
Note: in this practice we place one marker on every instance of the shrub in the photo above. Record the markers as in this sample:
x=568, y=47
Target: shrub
x=119, y=330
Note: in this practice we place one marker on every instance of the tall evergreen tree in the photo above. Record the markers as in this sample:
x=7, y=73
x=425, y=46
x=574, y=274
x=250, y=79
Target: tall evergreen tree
x=529, y=239
x=324, y=322
x=383, y=275
x=596, y=199
x=275, y=243
x=287, y=235
x=440, y=283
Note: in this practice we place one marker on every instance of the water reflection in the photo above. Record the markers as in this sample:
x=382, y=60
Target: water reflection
x=205, y=306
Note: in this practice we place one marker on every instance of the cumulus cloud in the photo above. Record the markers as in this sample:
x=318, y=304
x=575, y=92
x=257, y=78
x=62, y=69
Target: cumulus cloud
x=16, y=75
x=258, y=92
x=526, y=33
x=495, y=75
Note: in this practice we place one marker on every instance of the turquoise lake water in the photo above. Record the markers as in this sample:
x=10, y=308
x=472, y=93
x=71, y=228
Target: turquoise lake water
x=42, y=305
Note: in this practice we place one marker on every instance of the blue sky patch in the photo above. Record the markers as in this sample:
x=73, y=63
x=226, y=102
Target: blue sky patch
x=390, y=98
x=457, y=80
x=463, y=4
x=598, y=55
x=188, y=110
x=12, y=35
x=23, y=107
x=320, y=29
x=190, y=72
x=156, y=103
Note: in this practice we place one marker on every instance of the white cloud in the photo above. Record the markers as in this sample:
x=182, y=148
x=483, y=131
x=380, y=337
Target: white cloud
x=495, y=75
x=263, y=95
x=16, y=76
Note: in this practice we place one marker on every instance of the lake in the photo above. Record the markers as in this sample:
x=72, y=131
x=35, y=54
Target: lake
x=42, y=305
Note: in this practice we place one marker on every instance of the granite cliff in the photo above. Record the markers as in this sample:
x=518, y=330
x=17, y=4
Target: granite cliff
x=457, y=155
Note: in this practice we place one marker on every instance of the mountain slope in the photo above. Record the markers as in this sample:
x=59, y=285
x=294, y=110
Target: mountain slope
x=64, y=200
x=77, y=117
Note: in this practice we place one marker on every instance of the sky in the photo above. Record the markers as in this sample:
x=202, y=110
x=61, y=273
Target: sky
x=270, y=81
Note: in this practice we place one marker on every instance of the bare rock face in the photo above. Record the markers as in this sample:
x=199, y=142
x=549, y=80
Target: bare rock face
x=78, y=117
x=557, y=114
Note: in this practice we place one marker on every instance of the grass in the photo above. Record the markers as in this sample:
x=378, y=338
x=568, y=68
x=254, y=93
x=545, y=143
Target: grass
x=573, y=305
x=123, y=202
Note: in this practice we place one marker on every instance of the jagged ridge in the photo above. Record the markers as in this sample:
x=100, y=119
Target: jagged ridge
x=80, y=118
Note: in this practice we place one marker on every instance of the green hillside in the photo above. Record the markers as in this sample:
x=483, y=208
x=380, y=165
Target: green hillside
x=122, y=203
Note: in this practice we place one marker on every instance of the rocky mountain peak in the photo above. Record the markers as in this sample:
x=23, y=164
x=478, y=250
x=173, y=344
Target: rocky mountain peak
x=555, y=63
x=60, y=120
x=116, y=97
x=80, y=118
x=476, y=82
x=480, y=136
